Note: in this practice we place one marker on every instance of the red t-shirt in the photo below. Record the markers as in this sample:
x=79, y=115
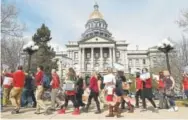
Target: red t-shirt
x=138, y=83
x=18, y=79
x=161, y=84
x=94, y=84
x=55, y=81
x=185, y=83
x=38, y=77
x=148, y=83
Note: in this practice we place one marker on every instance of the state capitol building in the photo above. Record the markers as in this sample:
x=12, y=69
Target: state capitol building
x=97, y=50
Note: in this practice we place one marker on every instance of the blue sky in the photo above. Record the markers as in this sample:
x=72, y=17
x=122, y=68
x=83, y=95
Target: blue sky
x=140, y=22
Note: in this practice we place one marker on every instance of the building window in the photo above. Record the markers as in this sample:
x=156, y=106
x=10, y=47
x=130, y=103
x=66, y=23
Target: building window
x=88, y=66
x=137, y=61
x=88, y=55
x=76, y=55
x=118, y=54
x=105, y=55
x=144, y=61
x=130, y=62
x=96, y=55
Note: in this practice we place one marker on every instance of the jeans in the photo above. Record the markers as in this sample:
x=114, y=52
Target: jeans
x=54, y=93
x=72, y=98
x=186, y=93
x=149, y=99
x=40, y=102
x=138, y=94
x=15, y=97
x=95, y=96
x=25, y=97
x=171, y=101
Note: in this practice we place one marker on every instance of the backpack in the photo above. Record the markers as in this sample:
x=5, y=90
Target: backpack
x=46, y=81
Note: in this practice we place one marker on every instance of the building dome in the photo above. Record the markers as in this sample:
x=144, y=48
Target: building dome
x=96, y=25
x=96, y=14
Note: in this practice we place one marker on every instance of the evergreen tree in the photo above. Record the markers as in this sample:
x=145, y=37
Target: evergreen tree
x=45, y=54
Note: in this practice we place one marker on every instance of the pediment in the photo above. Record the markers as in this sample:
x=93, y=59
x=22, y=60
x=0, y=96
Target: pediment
x=97, y=40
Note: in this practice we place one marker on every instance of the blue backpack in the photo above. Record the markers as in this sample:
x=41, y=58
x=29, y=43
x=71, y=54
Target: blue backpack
x=46, y=81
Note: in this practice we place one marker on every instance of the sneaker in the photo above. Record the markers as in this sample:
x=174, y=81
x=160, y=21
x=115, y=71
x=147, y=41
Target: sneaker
x=61, y=111
x=15, y=112
x=98, y=112
x=171, y=110
x=176, y=108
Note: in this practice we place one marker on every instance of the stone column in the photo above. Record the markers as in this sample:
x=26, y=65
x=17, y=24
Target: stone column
x=101, y=59
x=80, y=59
x=114, y=55
x=110, y=55
x=83, y=59
x=92, y=58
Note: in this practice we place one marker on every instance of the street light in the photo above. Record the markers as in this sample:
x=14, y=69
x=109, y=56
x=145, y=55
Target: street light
x=166, y=46
x=30, y=48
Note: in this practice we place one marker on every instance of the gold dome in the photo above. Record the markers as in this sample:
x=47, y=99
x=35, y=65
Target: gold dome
x=96, y=13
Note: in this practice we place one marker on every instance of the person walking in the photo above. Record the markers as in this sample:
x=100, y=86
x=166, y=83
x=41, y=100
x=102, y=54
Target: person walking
x=163, y=104
x=39, y=92
x=185, y=84
x=7, y=86
x=80, y=84
x=110, y=84
x=55, y=84
x=101, y=91
x=169, y=84
x=16, y=91
x=70, y=92
x=147, y=90
x=94, y=93
x=138, y=84
x=28, y=91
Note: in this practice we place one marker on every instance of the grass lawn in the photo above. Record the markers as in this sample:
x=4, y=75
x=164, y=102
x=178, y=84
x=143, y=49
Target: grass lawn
x=182, y=103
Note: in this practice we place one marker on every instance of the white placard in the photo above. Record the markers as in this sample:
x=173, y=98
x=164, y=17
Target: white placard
x=7, y=81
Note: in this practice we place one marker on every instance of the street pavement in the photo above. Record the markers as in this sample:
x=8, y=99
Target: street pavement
x=28, y=113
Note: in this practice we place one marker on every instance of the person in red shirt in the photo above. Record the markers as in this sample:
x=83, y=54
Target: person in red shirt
x=94, y=93
x=138, y=83
x=55, y=83
x=39, y=91
x=147, y=90
x=185, y=84
x=162, y=101
x=70, y=94
x=15, y=93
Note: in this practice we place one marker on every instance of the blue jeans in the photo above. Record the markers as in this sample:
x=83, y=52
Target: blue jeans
x=186, y=93
x=25, y=97
x=171, y=101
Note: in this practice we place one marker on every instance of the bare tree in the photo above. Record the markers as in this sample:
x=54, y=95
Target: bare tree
x=11, y=35
x=183, y=22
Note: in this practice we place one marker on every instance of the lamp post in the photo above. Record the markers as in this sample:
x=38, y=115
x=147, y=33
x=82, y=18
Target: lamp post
x=30, y=49
x=166, y=46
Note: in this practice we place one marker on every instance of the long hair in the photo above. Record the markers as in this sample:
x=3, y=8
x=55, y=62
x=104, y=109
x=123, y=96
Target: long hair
x=94, y=74
x=71, y=72
x=161, y=75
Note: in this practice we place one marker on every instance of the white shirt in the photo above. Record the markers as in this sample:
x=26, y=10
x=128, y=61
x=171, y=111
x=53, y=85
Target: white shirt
x=109, y=80
x=145, y=76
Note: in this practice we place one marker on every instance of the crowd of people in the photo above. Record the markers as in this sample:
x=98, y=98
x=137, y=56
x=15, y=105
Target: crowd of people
x=109, y=89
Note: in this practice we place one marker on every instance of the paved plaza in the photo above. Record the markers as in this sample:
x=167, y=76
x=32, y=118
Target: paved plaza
x=28, y=113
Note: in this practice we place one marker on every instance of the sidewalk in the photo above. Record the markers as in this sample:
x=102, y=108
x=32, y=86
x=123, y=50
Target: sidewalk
x=28, y=113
